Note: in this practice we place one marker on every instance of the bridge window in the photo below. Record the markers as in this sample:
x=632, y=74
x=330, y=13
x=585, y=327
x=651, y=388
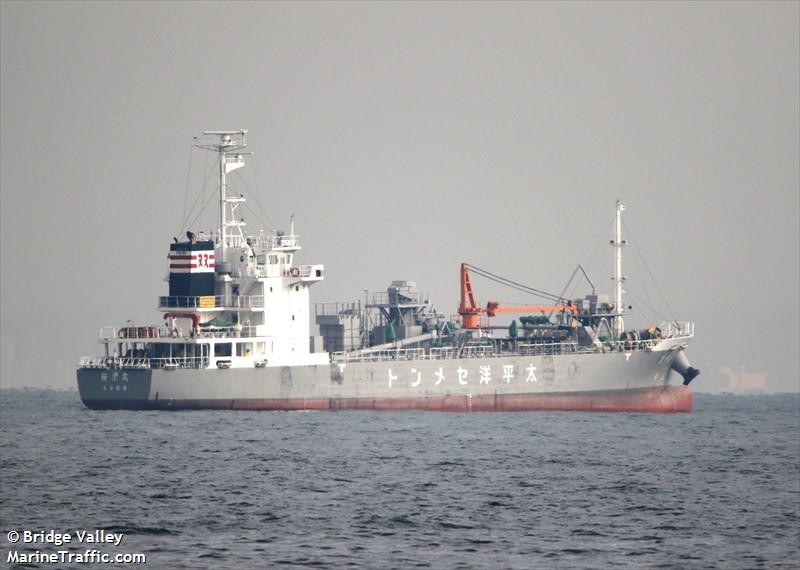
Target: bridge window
x=244, y=348
x=222, y=349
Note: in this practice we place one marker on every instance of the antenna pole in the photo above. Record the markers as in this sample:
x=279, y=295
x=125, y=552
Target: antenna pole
x=224, y=143
x=222, y=204
x=618, y=243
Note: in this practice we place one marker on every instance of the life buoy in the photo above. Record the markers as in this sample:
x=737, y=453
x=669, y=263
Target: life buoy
x=173, y=333
x=294, y=272
x=122, y=333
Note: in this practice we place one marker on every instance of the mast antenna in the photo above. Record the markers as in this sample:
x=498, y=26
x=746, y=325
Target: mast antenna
x=227, y=145
x=618, y=243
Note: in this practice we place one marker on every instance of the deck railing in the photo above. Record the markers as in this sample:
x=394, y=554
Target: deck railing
x=385, y=298
x=497, y=351
x=204, y=302
x=533, y=349
x=171, y=363
x=626, y=345
x=441, y=353
x=335, y=309
x=677, y=329
x=450, y=352
x=179, y=362
x=226, y=332
x=299, y=271
x=134, y=333
x=379, y=355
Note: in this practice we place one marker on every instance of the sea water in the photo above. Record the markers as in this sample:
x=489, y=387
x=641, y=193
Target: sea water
x=719, y=487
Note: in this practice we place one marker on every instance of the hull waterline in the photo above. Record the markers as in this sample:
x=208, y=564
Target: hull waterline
x=667, y=399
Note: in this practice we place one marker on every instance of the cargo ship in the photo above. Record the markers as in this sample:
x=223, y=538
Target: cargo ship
x=235, y=333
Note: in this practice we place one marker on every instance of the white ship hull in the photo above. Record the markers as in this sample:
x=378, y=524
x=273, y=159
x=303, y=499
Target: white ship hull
x=622, y=381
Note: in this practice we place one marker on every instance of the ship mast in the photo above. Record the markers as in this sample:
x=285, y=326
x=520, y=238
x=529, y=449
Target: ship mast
x=226, y=144
x=618, y=243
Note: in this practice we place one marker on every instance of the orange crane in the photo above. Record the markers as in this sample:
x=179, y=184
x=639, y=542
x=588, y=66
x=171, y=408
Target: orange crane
x=470, y=311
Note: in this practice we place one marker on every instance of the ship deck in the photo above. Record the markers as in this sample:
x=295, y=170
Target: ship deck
x=487, y=350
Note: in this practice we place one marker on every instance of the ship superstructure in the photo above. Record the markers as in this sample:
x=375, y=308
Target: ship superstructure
x=235, y=299
x=235, y=333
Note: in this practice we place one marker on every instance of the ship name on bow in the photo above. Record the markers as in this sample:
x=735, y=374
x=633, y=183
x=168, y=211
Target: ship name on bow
x=484, y=375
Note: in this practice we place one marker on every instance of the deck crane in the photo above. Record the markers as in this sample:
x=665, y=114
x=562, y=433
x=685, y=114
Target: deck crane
x=470, y=311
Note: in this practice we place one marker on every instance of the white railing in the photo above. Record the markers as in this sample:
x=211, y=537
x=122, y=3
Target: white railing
x=234, y=240
x=162, y=332
x=545, y=349
x=283, y=242
x=440, y=353
x=478, y=351
x=451, y=352
x=301, y=271
x=336, y=309
x=626, y=345
x=183, y=302
x=272, y=241
x=143, y=363
x=93, y=362
x=133, y=362
x=180, y=362
x=379, y=355
x=677, y=329
x=384, y=298
x=134, y=333
x=226, y=332
x=246, y=301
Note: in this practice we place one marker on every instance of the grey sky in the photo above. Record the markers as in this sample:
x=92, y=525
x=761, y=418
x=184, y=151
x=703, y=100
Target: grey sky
x=407, y=138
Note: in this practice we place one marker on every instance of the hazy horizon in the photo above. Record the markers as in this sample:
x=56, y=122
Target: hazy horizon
x=407, y=138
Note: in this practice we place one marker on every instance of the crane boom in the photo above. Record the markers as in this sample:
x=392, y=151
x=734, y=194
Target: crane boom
x=493, y=307
x=469, y=310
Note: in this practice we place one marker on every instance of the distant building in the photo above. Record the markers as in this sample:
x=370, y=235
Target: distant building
x=743, y=381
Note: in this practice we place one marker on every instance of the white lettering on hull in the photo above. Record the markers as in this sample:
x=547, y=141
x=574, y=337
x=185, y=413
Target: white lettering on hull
x=484, y=372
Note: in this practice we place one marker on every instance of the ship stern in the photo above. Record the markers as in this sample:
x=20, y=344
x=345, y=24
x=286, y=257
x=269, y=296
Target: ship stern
x=115, y=389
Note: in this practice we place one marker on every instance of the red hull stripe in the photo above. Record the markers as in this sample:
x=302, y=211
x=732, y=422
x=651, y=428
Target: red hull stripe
x=668, y=399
